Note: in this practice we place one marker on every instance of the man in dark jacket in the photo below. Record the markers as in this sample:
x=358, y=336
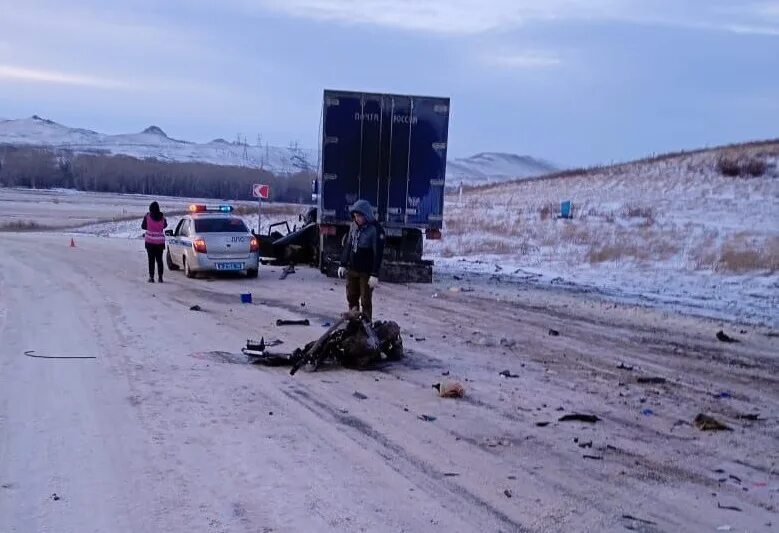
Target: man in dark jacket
x=361, y=257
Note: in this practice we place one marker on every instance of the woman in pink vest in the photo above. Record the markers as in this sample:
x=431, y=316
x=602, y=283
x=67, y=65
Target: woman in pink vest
x=154, y=223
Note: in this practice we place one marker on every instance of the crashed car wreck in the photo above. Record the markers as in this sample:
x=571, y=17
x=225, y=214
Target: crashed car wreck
x=353, y=342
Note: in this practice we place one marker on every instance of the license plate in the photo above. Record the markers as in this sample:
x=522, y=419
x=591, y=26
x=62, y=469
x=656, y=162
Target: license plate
x=229, y=266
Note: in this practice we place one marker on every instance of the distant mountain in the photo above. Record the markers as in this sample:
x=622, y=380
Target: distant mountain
x=154, y=143
x=493, y=167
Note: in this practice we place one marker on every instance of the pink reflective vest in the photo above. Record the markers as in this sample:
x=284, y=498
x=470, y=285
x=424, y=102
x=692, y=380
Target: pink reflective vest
x=155, y=230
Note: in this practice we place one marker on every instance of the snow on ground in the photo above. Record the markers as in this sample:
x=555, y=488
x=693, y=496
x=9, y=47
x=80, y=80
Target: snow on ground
x=672, y=232
x=114, y=215
x=169, y=429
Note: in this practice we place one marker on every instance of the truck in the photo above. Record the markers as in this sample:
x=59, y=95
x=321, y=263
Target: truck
x=389, y=149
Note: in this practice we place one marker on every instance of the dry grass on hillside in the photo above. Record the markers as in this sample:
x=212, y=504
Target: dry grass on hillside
x=678, y=212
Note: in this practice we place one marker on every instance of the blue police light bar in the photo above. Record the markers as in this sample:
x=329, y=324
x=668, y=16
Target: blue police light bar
x=200, y=208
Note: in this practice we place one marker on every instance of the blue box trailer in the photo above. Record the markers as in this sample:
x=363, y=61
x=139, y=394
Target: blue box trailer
x=388, y=149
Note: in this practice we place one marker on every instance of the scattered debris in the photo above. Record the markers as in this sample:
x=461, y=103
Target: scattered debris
x=724, y=395
x=593, y=457
x=195, y=308
x=427, y=418
x=734, y=478
x=287, y=271
x=651, y=380
x=450, y=389
x=725, y=528
x=420, y=339
x=728, y=507
x=359, y=395
x=578, y=417
x=647, y=412
x=623, y=366
x=352, y=342
x=55, y=497
x=451, y=474
x=507, y=492
x=553, y=333
x=542, y=424
x=723, y=337
x=587, y=444
x=326, y=324
x=749, y=416
x=709, y=423
x=507, y=374
x=445, y=373
x=270, y=413
x=283, y=322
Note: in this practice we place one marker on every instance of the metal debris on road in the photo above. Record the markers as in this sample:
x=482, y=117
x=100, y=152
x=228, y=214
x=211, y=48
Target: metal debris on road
x=724, y=337
x=553, y=333
x=651, y=380
x=283, y=322
x=287, y=271
x=728, y=507
x=450, y=389
x=508, y=374
x=709, y=423
x=578, y=417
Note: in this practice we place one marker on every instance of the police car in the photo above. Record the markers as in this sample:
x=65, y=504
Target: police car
x=211, y=239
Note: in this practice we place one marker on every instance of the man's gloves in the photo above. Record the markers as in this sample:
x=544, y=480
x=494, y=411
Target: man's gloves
x=373, y=281
x=341, y=272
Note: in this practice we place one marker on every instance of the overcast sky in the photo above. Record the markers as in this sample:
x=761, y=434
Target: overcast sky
x=576, y=82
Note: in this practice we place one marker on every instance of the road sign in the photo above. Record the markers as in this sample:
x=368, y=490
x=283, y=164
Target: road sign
x=261, y=191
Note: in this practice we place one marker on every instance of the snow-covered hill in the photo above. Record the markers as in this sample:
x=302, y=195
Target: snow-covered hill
x=674, y=229
x=494, y=167
x=154, y=143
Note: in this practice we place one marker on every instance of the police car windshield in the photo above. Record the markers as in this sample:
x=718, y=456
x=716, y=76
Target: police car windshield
x=220, y=225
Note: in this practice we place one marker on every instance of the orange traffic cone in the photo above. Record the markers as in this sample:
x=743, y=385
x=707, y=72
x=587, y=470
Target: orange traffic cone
x=72, y=243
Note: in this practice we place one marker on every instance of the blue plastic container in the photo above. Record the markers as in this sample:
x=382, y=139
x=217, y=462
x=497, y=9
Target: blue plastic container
x=565, y=209
x=246, y=298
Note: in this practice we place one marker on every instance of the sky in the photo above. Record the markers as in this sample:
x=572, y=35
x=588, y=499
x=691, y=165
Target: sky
x=575, y=82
